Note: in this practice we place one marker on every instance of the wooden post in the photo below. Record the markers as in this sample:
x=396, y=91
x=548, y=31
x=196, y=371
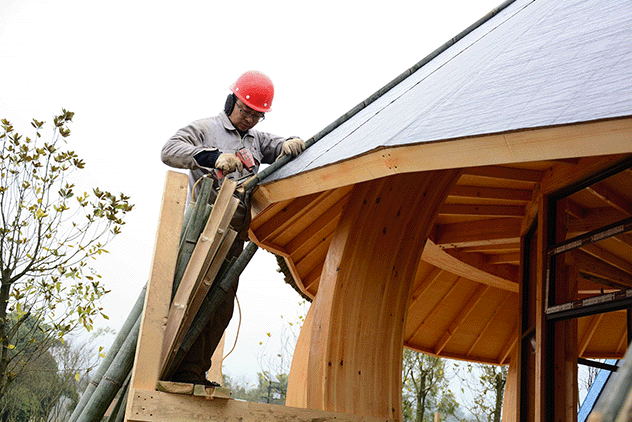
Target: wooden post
x=511, y=406
x=541, y=327
x=351, y=345
x=146, y=370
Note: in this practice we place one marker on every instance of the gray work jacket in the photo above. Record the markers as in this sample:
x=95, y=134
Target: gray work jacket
x=217, y=133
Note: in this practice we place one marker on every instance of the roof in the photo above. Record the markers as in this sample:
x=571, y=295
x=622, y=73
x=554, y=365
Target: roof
x=529, y=64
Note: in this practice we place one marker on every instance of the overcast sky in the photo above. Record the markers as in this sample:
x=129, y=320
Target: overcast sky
x=136, y=71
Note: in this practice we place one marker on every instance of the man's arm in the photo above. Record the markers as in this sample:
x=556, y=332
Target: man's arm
x=186, y=147
x=272, y=146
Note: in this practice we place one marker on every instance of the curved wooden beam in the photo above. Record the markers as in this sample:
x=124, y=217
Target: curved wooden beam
x=348, y=356
x=471, y=266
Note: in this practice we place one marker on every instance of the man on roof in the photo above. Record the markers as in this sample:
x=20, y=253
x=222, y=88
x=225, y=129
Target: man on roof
x=211, y=144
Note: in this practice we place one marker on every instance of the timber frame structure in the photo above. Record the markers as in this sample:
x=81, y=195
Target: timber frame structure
x=478, y=207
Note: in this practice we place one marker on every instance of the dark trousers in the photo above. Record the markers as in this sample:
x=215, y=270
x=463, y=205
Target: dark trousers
x=198, y=360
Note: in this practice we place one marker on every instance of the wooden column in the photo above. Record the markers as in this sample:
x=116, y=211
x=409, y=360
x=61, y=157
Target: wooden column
x=348, y=357
x=511, y=406
x=145, y=372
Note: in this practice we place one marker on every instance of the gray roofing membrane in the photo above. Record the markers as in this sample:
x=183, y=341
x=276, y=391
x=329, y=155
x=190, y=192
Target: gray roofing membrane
x=535, y=63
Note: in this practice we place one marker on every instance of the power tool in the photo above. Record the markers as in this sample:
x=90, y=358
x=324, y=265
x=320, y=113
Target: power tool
x=246, y=158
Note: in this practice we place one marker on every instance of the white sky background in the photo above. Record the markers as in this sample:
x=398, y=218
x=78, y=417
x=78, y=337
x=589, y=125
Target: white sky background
x=136, y=71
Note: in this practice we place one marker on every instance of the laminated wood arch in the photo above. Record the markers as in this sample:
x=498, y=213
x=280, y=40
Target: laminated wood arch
x=348, y=356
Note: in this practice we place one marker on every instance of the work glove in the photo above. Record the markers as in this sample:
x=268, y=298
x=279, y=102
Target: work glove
x=293, y=146
x=228, y=162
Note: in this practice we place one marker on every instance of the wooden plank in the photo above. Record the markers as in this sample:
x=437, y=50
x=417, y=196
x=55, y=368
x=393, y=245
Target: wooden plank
x=211, y=393
x=174, y=387
x=482, y=210
x=480, y=291
x=560, y=142
x=485, y=232
x=507, y=173
x=193, y=279
x=157, y=406
x=146, y=368
x=518, y=195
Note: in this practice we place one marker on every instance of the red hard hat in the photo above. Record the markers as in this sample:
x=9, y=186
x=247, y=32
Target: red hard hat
x=255, y=90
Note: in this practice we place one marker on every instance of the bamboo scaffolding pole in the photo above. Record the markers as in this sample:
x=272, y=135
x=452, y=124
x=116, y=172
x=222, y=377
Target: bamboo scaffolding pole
x=113, y=378
x=194, y=225
x=118, y=413
x=120, y=338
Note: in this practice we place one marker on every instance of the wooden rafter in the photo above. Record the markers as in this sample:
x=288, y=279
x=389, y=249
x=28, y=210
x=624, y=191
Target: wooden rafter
x=482, y=210
x=563, y=175
x=593, y=219
x=315, y=232
x=611, y=197
x=589, y=332
x=489, y=322
x=505, y=173
x=314, y=214
x=288, y=214
x=573, y=208
x=440, y=303
x=509, y=346
x=521, y=195
x=485, y=232
x=504, y=248
x=608, y=257
x=624, y=238
x=428, y=281
x=462, y=317
x=591, y=265
x=314, y=257
x=504, y=258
